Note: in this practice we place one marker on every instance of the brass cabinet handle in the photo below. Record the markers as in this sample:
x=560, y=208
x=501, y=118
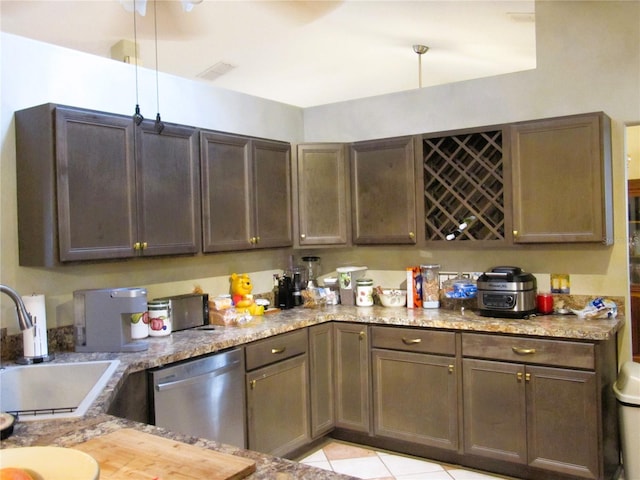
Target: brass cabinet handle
x=515, y=233
x=451, y=368
x=412, y=235
x=411, y=341
x=252, y=384
x=252, y=240
x=523, y=351
x=137, y=246
x=303, y=236
x=276, y=351
x=526, y=376
x=361, y=335
x=144, y=245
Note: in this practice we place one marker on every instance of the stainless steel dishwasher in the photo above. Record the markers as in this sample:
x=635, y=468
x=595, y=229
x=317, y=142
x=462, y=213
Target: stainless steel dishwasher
x=202, y=398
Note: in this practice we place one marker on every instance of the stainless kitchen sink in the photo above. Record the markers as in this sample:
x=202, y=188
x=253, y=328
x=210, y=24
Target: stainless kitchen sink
x=53, y=390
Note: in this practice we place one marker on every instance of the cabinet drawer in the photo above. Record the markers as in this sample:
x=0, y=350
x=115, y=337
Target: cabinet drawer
x=275, y=349
x=414, y=340
x=529, y=350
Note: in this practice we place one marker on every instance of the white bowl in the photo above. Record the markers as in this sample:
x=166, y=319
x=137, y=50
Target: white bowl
x=393, y=298
x=51, y=463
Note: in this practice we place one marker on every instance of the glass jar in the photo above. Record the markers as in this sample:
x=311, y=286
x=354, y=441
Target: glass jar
x=332, y=290
x=364, y=292
x=159, y=318
x=430, y=285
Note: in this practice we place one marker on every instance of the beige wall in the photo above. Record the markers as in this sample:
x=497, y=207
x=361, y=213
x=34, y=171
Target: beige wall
x=588, y=60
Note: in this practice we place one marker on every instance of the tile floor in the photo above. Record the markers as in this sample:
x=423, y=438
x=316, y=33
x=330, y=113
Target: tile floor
x=368, y=463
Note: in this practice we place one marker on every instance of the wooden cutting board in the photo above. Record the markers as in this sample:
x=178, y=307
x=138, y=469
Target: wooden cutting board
x=128, y=454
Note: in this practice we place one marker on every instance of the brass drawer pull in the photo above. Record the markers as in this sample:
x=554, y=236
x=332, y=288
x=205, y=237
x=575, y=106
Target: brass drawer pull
x=411, y=341
x=523, y=351
x=278, y=350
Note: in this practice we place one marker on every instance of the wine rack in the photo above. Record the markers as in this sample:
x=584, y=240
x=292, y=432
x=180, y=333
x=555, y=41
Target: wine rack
x=463, y=177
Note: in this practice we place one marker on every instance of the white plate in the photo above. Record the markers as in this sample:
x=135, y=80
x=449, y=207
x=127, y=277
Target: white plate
x=51, y=463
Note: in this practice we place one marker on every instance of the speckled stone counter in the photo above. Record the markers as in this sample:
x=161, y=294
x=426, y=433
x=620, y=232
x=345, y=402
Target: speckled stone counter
x=195, y=342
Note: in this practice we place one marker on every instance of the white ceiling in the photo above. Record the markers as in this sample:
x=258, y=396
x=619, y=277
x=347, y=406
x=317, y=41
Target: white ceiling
x=303, y=53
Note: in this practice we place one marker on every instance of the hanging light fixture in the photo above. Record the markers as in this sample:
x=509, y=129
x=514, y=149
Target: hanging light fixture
x=137, y=116
x=420, y=50
x=159, y=125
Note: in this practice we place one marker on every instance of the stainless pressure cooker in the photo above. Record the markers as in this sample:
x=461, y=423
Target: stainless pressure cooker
x=506, y=292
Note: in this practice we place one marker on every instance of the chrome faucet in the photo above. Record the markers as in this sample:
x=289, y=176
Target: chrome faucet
x=24, y=318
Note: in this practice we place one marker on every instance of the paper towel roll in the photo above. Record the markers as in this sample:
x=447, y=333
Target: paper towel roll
x=35, y=338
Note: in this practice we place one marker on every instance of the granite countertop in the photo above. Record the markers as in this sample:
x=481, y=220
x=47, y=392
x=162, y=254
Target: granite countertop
x=195, y=342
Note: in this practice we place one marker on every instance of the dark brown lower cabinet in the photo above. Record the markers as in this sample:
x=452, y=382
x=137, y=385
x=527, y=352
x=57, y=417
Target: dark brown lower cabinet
x=546, y=418
x=321, y=378
x=277, y=403
x=543, y=417
x=352, y=370
x=415, y=398
x=277, y=386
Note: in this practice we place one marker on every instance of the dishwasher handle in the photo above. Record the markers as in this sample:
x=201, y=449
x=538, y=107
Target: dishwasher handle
x=163, y=386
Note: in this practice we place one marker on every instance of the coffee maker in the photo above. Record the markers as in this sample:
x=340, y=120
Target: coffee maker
x=103, y=319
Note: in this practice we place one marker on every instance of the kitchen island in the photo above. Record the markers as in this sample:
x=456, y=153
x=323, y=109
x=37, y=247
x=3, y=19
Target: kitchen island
x=196, y=342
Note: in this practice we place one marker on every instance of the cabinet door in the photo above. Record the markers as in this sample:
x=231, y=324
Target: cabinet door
x=383, y=190
x=562, y=188
x=323, y=206
x=415, y=398
x=168, y=186
x=95, y=185
x=226, y=194
x=494, y=410
x=352, y=377
x=321, y=378
x=272, y=194
x=278, y=407
x=562, y=421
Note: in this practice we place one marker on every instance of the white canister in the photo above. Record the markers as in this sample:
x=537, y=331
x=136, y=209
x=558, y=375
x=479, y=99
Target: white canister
x=364, y=292
x=139, y=325
x=159, y=318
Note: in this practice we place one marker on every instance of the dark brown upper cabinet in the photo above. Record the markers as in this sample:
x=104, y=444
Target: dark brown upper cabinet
x=93, y=186
x=246, y=192
x=323, y=209
x=562, y=180
x=383, y=191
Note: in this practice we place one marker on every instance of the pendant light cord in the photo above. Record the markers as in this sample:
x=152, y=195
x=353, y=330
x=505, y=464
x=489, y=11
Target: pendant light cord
x=137, y=117
x=159, y=125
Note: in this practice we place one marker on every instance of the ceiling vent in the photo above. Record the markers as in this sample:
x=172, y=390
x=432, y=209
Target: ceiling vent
x=522, y=17
x=216, y=71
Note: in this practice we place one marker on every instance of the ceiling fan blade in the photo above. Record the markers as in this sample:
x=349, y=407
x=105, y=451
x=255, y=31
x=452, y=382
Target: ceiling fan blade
x=187, y=5
x=139, y=6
